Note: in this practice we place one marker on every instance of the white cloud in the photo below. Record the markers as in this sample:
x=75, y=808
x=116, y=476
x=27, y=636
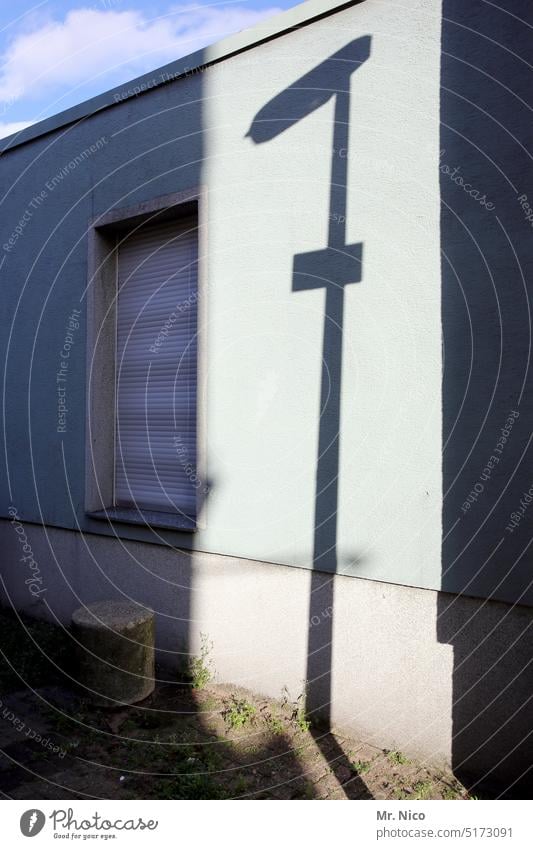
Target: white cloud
x=115, y=45
x=7, y=128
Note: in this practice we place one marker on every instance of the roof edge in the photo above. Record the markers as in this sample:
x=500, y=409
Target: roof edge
x=291, y=19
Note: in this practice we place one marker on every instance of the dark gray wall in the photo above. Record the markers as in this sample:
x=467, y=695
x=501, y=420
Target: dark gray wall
x=487, y=273
x=148, y=146
x=487, y=265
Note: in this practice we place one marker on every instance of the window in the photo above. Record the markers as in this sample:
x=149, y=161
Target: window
x=155, y=456
x=144, y=445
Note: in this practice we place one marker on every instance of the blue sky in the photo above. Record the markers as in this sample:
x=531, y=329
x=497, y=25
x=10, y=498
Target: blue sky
x=55, y=53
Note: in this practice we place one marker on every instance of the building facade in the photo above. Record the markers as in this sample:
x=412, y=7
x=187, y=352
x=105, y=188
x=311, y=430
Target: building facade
x=266, y=334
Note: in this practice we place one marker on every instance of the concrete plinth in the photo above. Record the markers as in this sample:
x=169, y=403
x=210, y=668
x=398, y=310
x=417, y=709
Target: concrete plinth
x=115, y=652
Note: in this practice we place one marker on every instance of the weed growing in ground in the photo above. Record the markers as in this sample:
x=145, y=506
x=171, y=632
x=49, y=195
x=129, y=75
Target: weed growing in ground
x=419, y=791
x=450, y=793
x=422, y=790
x=301, y=721
x=238, y=712
x=298, y=715
x=200, y=667
x=396, y=757
x=360, y=767
x=275, y=724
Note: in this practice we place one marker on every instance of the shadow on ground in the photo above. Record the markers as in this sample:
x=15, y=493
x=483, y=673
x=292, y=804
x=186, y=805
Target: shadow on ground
x=183, y=742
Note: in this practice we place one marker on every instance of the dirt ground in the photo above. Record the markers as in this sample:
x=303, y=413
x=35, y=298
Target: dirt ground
x=191, y=739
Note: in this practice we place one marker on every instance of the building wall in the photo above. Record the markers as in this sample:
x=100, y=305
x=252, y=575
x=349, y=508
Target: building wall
x=486, y=140
x=438, y=675
x=264, y=424
x=267, y=203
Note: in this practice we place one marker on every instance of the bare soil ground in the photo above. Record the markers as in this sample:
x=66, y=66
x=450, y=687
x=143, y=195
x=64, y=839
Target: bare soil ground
x=183, y=742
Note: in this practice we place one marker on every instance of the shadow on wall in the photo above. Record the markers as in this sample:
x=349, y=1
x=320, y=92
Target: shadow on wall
x=331, y=268
x=82, y=570
x=486, y=182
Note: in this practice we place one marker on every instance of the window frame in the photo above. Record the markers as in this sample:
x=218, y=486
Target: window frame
x=102, y=299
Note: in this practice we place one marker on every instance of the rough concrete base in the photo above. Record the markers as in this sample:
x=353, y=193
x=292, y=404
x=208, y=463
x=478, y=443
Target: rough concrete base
x=437, y=676
x=114, y=652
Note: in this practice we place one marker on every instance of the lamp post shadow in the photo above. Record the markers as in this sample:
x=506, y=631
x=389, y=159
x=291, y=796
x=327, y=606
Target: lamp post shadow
x=331, y=268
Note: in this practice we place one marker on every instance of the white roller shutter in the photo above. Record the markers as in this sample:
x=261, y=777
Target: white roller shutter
x=155, y=461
